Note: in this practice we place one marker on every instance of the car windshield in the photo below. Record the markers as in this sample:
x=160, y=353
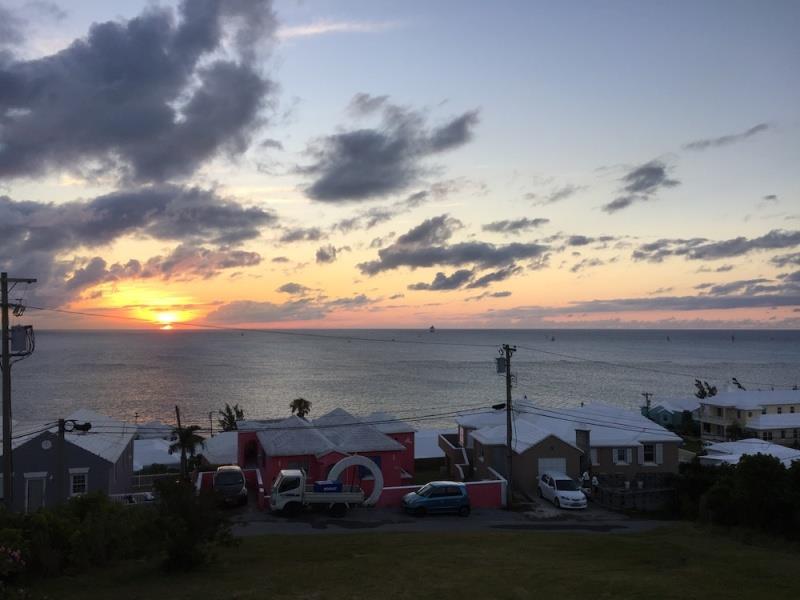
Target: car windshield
x=228, y=478
x=425, y=491
x=566, y=485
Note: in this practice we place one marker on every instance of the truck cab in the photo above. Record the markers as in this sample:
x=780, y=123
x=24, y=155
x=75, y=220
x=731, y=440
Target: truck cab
x=288, y=487
x=291, y=494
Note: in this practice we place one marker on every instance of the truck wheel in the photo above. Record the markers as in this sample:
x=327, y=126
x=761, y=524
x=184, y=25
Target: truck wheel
x=292, y=509
x=463, y=511
x=338, y=510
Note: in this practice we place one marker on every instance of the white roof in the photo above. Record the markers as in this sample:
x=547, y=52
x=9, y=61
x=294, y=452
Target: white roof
x=525, y=435
x=426, y=443
x=484, y=418
x=350, y=434
x=221, y=448
x=386, y=423
x=770, y=421
x=677, y=404
x=753, y=399
x=731, y=452
x=153, y=451
x=293, y=436
x=153, y=430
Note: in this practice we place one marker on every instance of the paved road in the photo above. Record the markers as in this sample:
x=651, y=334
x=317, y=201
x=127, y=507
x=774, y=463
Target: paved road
x=363, y=520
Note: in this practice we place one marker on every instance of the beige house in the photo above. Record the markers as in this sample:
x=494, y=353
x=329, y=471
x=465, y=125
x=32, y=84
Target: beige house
x=601, y=440
x=770, y=415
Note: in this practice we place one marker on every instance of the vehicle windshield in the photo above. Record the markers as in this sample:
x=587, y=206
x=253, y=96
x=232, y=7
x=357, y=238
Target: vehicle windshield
x=228, y=478
x=566, y=485
x=425, y=490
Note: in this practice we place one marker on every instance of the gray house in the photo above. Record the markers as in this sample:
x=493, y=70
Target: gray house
x=98, y=460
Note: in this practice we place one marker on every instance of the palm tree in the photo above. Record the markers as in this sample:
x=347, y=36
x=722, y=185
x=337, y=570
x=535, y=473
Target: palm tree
x=301, y=406
x=186, y=440
x=228, y=417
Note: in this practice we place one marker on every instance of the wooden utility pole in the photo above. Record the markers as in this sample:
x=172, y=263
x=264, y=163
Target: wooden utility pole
x=508, y=351
x=647, y=396
x=8, y=464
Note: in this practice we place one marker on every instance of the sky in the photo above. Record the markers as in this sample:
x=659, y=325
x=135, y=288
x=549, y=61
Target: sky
x=367, y=164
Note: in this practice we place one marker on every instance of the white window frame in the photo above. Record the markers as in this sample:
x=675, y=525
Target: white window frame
x=80, y=471
x=628, y=456
x=593, y=457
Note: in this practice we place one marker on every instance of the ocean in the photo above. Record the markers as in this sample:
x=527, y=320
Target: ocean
x=142, y=375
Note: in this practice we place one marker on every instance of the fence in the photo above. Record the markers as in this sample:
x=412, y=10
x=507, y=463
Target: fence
x=646, y=500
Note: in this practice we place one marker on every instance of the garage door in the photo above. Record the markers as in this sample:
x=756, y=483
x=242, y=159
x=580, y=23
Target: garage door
x=556, y=465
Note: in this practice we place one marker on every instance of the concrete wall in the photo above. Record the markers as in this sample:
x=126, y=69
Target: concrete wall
x=605, y=462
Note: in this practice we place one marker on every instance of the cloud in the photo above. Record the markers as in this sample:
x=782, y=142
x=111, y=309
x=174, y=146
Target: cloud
x=558, y=194
x=364, y=164
x=366, y=104
x=786, y=260
x=302, y=309
x=425, y=246
x=725, y=140
x=36, y=236
x=444, y=282
x=586, y=263
x=770, y=198
x=503, y=294
x=516, y=226
x=294, y=289
x=10, y=30
x=703, y=249
x=302, y=234
x=495, y=276
x=326, y=254
x=147, y=99
x=331, y=27
x=641, y=184
x=281, y=259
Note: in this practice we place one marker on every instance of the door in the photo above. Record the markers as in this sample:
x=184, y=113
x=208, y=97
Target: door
x=553, y=465
x=34, y=496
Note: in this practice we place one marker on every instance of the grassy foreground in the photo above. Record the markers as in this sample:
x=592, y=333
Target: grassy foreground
x=674, y=562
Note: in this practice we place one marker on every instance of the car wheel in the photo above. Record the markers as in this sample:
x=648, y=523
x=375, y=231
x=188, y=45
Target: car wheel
x=292, y=509
x=464, y=511
x=421, y=512
x=556, y=503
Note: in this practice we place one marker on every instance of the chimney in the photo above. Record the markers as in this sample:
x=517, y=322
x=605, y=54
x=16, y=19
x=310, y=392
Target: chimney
x=583, y=441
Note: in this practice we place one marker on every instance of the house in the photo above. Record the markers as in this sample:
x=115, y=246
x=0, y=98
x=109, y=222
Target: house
x=221, y=448
x=731, y=452
x=606, y=441
x=671, y=412
x=100, y=459
x=316, y=446
x=746, y=410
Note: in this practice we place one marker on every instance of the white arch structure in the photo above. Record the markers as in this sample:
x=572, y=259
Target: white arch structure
x=360, y=461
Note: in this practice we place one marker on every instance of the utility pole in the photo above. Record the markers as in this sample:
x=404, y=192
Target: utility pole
x=8, y=464
x=62, y=426
x=211, y=422
x=508, y=351
x=180, y=441
x=647, y=396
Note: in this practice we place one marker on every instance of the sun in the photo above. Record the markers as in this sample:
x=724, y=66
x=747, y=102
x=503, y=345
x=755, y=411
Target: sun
x=166, y=319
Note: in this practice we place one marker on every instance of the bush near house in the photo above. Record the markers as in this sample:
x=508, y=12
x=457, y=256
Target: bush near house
x=92, y=530
x=757, y=493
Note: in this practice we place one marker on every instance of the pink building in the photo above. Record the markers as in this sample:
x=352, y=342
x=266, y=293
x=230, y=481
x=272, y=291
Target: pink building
x=315, y=446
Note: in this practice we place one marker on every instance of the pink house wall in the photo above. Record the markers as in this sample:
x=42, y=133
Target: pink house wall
x=407, y=456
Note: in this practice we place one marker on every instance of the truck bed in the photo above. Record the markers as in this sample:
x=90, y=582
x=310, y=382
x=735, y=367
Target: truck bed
x=348, y=495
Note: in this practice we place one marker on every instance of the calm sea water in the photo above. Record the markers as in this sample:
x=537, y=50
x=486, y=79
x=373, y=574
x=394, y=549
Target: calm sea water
x=125, y=373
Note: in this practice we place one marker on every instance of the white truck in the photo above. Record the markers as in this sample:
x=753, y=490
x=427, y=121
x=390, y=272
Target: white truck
x=291, y=494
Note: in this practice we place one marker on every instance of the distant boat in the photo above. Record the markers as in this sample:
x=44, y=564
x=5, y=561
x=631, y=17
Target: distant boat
x=432, y=329
x=553, y=339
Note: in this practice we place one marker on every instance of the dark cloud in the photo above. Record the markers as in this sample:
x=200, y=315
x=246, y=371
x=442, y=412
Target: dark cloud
x=302, y=234
x=703, y=249
x=586, y=263
x=445, y=282
x=281, y=259
x=503, y=294
x=641, y=184
x=786, y=260
x=326, y=254
x=270, y=143
x=302, y=309
x=770, y=198
x=495, y=276
x=558, y=194
x=516, y=226
x=366, y=104
x=424, y=246
x=363, y=164
x=143, y=97
x=725, y=140
x=294, y=289
x=719, y=269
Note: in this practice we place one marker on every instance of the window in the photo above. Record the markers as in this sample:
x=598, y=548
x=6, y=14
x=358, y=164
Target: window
x=78, y=483
x=706, y=427
x=780, y=409
x=481, y=454
x=738, y=414
x=593, y=456
x=791, y=409
x=620, y=456
x=719, y=412
x=767, y=435
x=763, y=411
x=749, y=413
x=289, y=484
x=649, y=453
x=795, y=435
x=783, y=434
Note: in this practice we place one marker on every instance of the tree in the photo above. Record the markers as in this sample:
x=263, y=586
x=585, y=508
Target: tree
x=228, y=417
x=301, y=406
x=186, y=442
x=704, y=390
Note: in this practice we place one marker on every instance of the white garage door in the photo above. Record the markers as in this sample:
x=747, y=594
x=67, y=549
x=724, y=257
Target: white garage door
x=556, y=465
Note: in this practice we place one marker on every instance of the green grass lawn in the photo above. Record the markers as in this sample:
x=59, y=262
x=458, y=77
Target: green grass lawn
x=678, y=562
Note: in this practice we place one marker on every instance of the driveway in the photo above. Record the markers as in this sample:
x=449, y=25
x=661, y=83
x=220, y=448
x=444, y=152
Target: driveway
x=362, y=520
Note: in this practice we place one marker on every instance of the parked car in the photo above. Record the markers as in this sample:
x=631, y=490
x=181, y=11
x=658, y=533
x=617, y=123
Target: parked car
x=438, y=497
x=230, y=483
x=561, y=490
